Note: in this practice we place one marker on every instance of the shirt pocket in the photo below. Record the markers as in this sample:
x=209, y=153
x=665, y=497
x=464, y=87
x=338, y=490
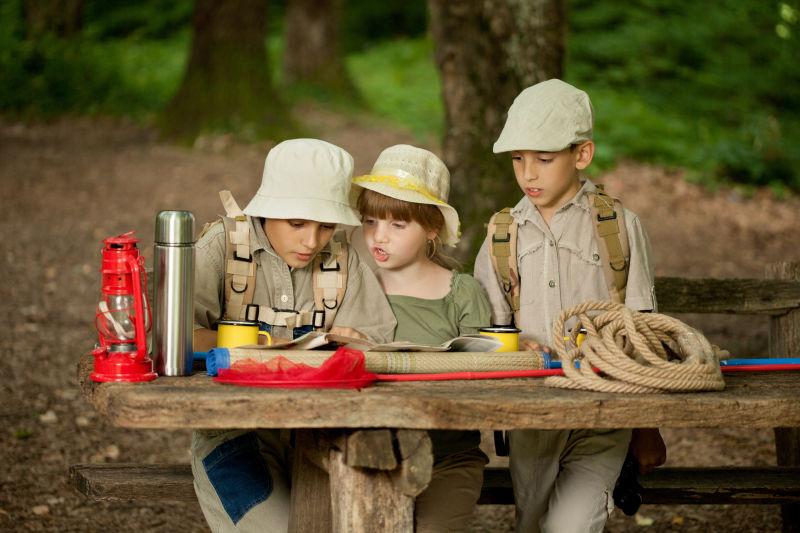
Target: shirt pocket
x=581, y=269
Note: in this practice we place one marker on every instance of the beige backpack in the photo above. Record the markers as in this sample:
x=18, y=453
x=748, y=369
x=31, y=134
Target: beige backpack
x=329, y=277
x=609, y=225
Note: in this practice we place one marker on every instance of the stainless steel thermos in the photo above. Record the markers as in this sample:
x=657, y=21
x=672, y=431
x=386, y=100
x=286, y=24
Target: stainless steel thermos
x=173, y=276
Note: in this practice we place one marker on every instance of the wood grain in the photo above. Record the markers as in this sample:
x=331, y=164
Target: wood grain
x=784, y=341
x=664, y=486
x=749, y=400
x=739, y=296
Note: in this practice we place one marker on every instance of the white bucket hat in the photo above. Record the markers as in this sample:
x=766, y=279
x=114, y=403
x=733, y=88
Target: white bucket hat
x=547, y=117
x=414, y=175
x=306, y=179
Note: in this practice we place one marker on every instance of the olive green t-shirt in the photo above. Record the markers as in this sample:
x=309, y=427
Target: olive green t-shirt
x=463, y=310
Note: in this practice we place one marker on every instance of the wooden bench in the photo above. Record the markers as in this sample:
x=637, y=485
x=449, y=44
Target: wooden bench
x=664, y=486
x=749, y=401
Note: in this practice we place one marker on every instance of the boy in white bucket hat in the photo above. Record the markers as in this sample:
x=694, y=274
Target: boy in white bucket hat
x=406, y=221
x=266, y=263
x=564, y=243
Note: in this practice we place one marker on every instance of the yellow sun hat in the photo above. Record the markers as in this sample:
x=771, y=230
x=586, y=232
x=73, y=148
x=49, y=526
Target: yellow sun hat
x=414, y=175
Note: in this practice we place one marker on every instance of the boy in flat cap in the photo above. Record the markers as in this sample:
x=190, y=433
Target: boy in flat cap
x=551, y=252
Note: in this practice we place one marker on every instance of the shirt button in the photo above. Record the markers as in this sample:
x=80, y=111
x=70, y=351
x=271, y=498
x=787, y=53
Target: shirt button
x=552, y=283
x=596, y=257
x=552, y=243
x=284, y=298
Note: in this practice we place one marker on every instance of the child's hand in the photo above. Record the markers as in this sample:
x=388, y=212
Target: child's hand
x=648, y=448
x=347, y=332
x=533, y=346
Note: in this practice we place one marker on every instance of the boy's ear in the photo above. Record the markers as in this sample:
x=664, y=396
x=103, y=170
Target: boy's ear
x=584, y=155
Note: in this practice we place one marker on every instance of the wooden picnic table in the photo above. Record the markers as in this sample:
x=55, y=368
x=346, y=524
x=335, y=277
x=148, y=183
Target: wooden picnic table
x=374, y=485
x=761, y=400
x=373, y=444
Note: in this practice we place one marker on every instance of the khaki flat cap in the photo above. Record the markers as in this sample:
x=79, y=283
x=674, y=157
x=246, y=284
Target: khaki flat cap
x=547, y=117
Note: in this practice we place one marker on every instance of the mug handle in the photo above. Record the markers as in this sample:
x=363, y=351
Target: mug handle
x=267, y=335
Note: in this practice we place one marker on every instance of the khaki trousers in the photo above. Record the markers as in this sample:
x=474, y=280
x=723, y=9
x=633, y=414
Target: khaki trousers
x=564, y=479
x=449, y=500
x=242, y=479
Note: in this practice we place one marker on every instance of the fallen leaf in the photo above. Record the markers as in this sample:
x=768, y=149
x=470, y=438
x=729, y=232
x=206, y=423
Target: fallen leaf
x=642, y=520
x=81, y=421
x=112, y=451
x=49, y=417
x=41, y=510
x=677, y=520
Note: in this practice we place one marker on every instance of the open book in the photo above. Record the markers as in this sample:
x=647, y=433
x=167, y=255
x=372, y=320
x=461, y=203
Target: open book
x=315, y=339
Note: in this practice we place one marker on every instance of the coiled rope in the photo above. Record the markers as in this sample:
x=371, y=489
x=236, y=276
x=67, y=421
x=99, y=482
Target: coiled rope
x=636, y=352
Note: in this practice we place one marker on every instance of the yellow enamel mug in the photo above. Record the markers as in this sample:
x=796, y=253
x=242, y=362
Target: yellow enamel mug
x=233, y=333
x=508, y=335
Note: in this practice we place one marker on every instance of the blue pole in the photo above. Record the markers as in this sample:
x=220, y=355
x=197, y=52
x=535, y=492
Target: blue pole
x=725, y=362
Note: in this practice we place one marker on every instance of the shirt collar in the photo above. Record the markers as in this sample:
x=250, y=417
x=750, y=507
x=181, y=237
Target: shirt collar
x=526, y=211
x=258, y=239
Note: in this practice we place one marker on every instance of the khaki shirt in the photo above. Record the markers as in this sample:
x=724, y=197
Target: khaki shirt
x=363, y=308
x=560, y=266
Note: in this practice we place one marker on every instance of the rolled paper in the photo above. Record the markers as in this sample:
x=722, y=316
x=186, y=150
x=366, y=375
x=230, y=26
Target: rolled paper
x=389, y=362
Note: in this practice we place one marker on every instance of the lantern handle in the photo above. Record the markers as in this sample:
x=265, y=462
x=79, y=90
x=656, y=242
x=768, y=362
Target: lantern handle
x=141, y=340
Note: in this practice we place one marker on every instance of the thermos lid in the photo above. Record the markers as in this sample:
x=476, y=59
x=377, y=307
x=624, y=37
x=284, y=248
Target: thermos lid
x=174, y=227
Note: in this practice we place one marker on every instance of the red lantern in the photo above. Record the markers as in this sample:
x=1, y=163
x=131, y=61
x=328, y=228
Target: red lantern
x=123, y=316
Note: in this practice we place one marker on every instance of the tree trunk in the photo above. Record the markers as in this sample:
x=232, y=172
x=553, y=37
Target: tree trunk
x=487, y=51
x=313, y=46
x=227, y=84
x=60, y=18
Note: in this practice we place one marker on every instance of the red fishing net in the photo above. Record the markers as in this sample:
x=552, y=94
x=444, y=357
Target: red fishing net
x=345, y=369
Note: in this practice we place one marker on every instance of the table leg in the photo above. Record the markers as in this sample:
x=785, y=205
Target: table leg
x=311, y=495
x=374, y=477
x=365, y=494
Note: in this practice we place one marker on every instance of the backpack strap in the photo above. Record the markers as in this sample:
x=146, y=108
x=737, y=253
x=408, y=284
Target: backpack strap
x=503, y=251
x=612, y=238
x=329, y=281
x=240, y=270
x=329, y=277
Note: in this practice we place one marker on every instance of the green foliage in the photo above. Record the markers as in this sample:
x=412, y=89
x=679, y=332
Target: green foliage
x=709, y=86
x=398, y=80
x=48, y=75
x=366, y=23
x=51, y=76
x=123, y=19
x=712, y=86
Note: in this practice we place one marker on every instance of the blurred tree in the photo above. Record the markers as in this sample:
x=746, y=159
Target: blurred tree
x=140, y=20
x=365, y=24
x=313, y=51
x=59, y=18
x=227, y=84
x=487, y=52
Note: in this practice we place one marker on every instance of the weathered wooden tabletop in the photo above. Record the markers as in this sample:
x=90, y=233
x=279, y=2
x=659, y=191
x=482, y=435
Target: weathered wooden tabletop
x=749, y=400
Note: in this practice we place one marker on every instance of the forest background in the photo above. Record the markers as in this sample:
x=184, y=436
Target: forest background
x=697, y=130
x=713, y=87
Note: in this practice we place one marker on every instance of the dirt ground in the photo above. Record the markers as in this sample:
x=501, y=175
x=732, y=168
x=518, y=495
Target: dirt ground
x=69, y=184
